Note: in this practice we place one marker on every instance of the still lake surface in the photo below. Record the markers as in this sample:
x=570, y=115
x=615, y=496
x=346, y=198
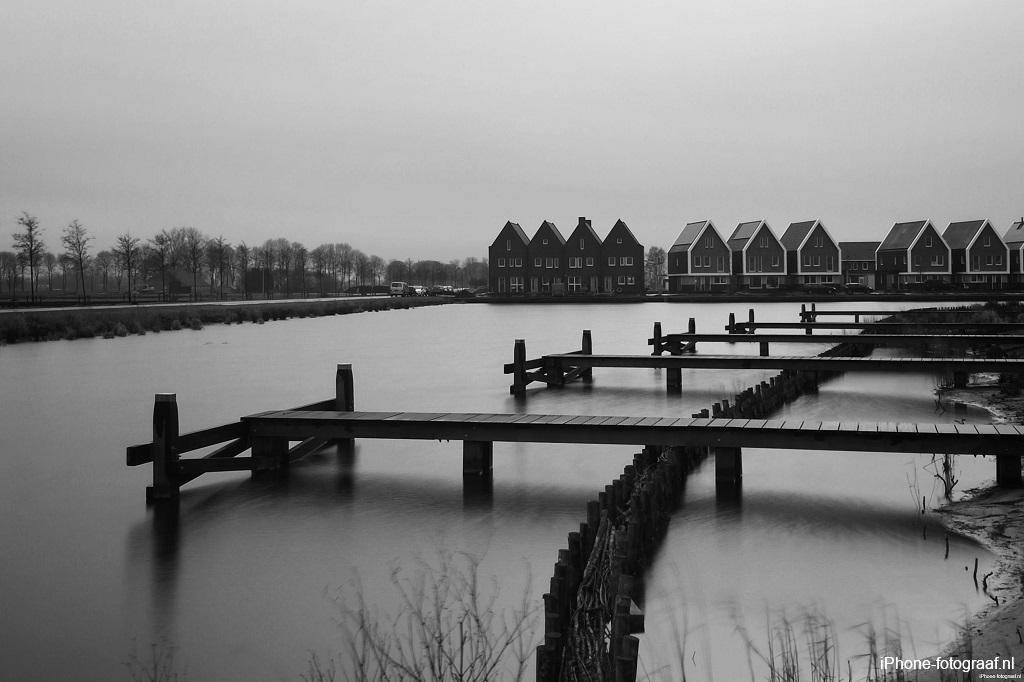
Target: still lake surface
x=244, y=584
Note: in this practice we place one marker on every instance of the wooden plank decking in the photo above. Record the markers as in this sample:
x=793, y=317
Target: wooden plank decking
x=624, y=430
x=959, y=340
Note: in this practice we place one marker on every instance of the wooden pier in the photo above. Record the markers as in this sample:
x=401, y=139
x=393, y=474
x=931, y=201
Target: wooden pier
x=269, y=436
x=811, y=314
x=558, y=369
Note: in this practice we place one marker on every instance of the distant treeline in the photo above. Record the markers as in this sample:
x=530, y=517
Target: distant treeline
x=183, y=262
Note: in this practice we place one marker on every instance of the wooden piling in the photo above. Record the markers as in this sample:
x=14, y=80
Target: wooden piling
x=165, y=451
x=477, y=458
x=587, y=348
x=1008, y=474
x=732, y=323
x=728, y=466
x=519, y=380
x=657, y=339
x=750, y=320
x=344, y=399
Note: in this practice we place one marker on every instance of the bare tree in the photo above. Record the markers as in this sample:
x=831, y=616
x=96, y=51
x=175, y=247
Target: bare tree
x=50, y=262
x=654, y=268
x=76, y=244
x=104, y=261
x=164, y=249
x=8, y=270
x=28, y=245
x=193, y=241
x=300, y=258
x=242, y=253
x=126, y=249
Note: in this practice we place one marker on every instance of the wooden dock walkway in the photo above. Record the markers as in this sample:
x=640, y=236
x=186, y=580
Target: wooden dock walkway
x=269, y=436
x=811, y=314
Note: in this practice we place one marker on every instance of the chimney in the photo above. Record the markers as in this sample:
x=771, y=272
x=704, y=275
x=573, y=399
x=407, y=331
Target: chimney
x=583, y=221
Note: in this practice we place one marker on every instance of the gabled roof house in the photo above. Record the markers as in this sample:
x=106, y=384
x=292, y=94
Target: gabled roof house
x=507, y=259
x=812, y=255
x=699, y=260
x=758, y=257
x=623, y=261
x=583, y=260
x=547, y=260
x=979, y=258
x=1014, y=240
x=912, y=252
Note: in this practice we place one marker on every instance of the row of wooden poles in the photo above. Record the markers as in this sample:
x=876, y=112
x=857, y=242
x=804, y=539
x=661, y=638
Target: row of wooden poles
x=597, y=583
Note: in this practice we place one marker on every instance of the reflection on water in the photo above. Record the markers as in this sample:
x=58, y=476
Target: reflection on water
x=239, y=575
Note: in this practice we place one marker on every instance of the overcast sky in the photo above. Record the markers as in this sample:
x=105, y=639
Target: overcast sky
x=416, y=129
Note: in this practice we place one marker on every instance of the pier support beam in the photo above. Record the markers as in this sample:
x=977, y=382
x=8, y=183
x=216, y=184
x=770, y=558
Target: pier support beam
x=165, y=448
x=728, y=466
x=269, y=455
x=477, y=457
x=1008, y=473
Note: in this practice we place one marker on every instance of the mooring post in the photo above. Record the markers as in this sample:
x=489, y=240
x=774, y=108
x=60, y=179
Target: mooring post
x=657, y=339
x=477, y=457
x=803, y=312
x=732, y=323
x=344, y=398
x=1008, y=473
x=728, y=466
x=674, y=375
x=764, y=349
x=814, y=312
x=856, y=318
x=750, y=320
x=691, y=328
x=587, y=374
x=519, y=382
x=165, y=448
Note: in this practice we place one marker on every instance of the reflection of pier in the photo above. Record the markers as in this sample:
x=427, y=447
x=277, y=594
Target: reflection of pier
x=268, y=436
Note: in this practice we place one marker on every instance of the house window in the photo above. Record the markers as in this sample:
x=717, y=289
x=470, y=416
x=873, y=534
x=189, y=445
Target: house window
x=621, y=280
x=999, y=259
x=549, y=262
x=938, y=260
x=917, y=261
x=501, y=262
x=502, y=286
x=611, y=261
x=720, y=263
x=515, y=285
x=830, y=262
x=538, y=262
x=630, y=280
x=544, y=241
x=928, y=240
x=626, y=260
x=618, y=240
x=519, y=262
x=545, y=284
x=720, y=280
x=590, y=261
x=709, y=242
x=807, y=260
x=574, y=283
x=775, y=261
x=556, y=262
x=575, y=263
x=581, y=245
x=508, y=244
x=826, y=279
x=818, y=240
x=988, y=260
x=763, y=240
x=988, y=240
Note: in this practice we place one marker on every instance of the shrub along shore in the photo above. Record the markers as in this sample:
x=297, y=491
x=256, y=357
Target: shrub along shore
x=85, y=323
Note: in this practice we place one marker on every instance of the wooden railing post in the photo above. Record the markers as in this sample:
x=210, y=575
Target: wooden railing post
x=587, y=348
x=165, y=448
x=750, y=320
x=519, y=381
x=657, y=339
x=732, y=323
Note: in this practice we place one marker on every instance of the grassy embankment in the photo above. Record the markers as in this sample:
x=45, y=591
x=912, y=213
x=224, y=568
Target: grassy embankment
x=84, y=323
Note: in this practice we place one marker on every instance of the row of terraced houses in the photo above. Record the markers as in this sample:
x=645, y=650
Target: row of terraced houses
x=969, y=254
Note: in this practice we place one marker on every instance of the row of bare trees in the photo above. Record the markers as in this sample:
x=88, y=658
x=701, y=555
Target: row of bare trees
x=184, y=261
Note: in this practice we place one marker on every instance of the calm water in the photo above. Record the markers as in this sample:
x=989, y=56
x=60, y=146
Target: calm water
x=243, y=583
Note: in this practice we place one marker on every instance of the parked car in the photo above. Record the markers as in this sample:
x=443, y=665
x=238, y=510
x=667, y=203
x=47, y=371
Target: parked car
x=857, y=288
x=397, y=289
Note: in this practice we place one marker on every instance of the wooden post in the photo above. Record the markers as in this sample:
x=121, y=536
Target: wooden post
x=728, y=465
x=674, y=375
x=803, y=312
x=1008, y=471
x=269, y=454
x=477, y=458
x=808, y=330
x=764, y=349
x=657, y=339
x=587, y=349
x=732, y=323
x=691, y=326
x=554, y=372
x=165, y=448
x=519, y=381
x=750, y=319
x=344, y=400
x=814, y=310
x=856, y=318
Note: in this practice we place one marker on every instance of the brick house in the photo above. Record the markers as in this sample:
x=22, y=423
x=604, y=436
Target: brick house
x=1014, y=240
x=758, y=257
x=507, y=259
x=622, y=261
x=812, y=256
x=912, y=253
x=979, y=258
x=699, y=260
x=858, y=262
x=546, y=269
x=583, y=260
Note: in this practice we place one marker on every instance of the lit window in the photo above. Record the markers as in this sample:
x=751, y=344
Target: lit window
x=508, y=244
x=538, y=262
x=544, y=241
x=590, y=261
x=611, y=261
x=928, y=240
x=581, y=244
x=501, y=262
